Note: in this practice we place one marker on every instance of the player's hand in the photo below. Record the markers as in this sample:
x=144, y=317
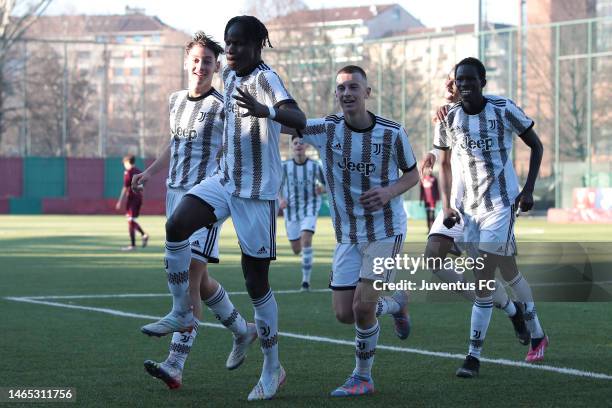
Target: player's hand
x=247, y=101
x=428, y=163
x=282, y=204
x=139, y=180
x=524, y=201
x=440, y=113
x=375, y=198
x=118, y=205
x=451, y=217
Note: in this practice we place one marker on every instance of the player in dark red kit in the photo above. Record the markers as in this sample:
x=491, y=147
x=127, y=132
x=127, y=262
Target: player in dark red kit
x=133, y=203
x=430, y=195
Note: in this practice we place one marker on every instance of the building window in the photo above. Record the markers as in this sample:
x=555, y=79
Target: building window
x=120, y=39
x=156, y=38
x=137, y=38
x=151, y=70
x=118, y=71
x=83, y=54
x=135, y=71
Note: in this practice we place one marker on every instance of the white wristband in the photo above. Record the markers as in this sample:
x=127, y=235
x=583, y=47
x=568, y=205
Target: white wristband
x=272, y=114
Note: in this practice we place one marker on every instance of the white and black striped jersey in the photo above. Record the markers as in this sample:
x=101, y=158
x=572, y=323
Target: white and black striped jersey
x=251, y=163
x=355, y=161
x=457, y=182
x=299, y=188
x=196, y=127
x=483, y=146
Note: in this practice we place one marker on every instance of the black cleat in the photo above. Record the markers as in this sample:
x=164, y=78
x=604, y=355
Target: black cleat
x=520, y=329
x=470, y=367
x=305, y=287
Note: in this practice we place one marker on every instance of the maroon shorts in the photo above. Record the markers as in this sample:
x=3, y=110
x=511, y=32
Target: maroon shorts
x=132, y=208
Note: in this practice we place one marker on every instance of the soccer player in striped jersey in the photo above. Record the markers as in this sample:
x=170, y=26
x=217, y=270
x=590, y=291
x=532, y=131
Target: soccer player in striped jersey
x=479, y=131
x=196, y=125
x=246, y=188
x=301, y=189
x=362, y=156
x=133, y=202
x=442, y=240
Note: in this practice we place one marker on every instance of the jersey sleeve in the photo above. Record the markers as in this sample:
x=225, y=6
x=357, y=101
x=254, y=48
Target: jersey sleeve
x=441, y=137
x=403, y=152
x=516, y=120
x=127, y=179
x=274, y=91
x=314, y=133
x=284, y=191
x=319, y=174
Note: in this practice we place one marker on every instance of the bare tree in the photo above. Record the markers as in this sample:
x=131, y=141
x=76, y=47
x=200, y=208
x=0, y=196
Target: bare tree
x=15, y=18
x=267, y=10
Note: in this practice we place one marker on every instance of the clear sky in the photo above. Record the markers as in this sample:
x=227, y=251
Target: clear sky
x=211, y=16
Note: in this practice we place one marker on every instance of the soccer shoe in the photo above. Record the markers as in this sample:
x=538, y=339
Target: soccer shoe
x=169, y=324
x=520, y=329
x=354, y=385
x=263, y=391
x=305, y=287
x=145, y=240
x=128, y=248
x=240, y=347
x=470, y=368
x=172, y=376
x=537, y=354
x=401, y=318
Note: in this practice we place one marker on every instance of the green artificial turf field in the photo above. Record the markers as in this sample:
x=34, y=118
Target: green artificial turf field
x=71, y=314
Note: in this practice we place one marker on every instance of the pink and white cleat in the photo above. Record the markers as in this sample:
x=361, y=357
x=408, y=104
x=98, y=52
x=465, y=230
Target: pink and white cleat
x=537, y=354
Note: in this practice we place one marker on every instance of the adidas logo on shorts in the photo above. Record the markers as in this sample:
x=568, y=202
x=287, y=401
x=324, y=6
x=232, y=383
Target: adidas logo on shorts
x=262, y=250
x=195, y=243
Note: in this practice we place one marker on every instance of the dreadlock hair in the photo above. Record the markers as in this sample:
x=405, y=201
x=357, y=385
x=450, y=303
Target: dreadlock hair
x=206, y=41
x=257, y=30
x=475, y=62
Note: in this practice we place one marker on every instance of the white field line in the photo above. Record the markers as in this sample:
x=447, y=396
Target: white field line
x=504, y=362
x=147, y=295
x=281, y=292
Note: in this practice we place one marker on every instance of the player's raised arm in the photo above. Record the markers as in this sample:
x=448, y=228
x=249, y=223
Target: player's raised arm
x=287, y=114
x=531, y=139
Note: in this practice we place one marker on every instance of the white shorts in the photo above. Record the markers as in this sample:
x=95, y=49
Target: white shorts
x=455, y=233
x=353, y=262
x=492, y=232
x=295, y=228
x=254, y=220
x=204, y=242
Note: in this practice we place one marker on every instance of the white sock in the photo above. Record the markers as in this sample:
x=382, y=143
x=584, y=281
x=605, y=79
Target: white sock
x=177, y=259
x=180, y=346
x=449, y=275
x=306, y=264
x=501, y=299
x=365, y=348
x=266, y=319
x=481, y=316
x=387, y=305
x=522, y=292
x=225, y=312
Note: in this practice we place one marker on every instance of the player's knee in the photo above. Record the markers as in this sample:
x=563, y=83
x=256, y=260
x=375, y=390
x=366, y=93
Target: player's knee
x=363, y=310
x=345, y=316
x=296, y=247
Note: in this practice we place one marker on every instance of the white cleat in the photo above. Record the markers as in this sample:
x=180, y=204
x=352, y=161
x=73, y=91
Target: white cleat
x=240, y=347
x=263, y=391
x=169, y=324
x=171, y=375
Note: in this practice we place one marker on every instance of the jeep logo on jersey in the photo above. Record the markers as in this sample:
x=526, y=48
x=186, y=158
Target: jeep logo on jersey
x=469, y=143
x=364, y=168
x=188, y=134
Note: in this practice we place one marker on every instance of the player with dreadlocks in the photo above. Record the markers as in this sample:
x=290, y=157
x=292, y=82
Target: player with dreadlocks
x=256, y=104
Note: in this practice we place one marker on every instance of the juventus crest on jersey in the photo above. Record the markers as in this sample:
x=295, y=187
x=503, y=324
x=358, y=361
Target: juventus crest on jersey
x=482, y=144
x=196, y=127
x=299, y=188
x=251, y=163
x=355, y=161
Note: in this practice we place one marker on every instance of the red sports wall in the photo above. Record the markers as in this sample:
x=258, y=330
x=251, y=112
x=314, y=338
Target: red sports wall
x=85, y=178
x=11, y=169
